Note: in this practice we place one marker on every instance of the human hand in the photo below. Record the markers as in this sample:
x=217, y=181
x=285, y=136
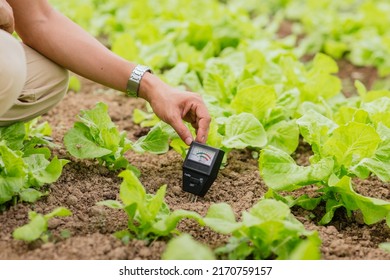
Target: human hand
x=173, y=106
x=6, y=17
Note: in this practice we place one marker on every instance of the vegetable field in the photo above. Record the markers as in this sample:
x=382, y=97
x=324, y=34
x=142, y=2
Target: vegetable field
x=299, y=94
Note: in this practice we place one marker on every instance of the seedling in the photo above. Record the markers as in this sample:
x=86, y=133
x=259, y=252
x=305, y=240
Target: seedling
x=37, y=228
x=95, y=136
x=200, y=168
x=149, y=217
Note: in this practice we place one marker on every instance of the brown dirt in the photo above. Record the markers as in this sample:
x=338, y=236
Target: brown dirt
x=84, y=183
x=349, y=73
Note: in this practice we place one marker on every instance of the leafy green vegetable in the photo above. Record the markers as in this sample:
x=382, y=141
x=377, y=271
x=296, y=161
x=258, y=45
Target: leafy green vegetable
x=242, y=131
x=320, y=79
x=149, y=216
x=257, y=99
x=379, y=110
x=185, y=247
x=343, y=32
x=315, y=129
x=341, y=193
x=221, y=218
x=351, y=142
x=24, y=162
x=156, y=141
x=379, y=163
x=13, y=136
x=284, y=135
x=13, y=173
x=145, y=119
x=352, y=136
x=267, y=230
x=37, y=228
x=280, y=172
x=96, y=136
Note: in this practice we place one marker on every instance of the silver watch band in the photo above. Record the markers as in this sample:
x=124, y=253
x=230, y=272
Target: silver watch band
x=135, y=79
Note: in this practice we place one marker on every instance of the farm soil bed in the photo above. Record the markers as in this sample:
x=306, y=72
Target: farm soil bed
x=90, y=228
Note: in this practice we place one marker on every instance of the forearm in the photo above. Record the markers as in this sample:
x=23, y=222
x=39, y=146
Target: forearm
x=64, y=42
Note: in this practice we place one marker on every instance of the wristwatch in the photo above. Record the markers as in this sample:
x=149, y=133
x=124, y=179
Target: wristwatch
x=135, y=79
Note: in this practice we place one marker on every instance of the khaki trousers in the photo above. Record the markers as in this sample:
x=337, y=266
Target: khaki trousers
x=30, y=84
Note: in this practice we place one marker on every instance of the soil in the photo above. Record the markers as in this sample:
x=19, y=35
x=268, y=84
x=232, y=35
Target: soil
x=87, y=234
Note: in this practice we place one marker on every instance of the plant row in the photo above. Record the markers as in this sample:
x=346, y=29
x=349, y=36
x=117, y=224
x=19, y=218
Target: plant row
x=253, y=236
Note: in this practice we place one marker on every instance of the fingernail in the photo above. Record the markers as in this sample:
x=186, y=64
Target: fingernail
x=188, y=141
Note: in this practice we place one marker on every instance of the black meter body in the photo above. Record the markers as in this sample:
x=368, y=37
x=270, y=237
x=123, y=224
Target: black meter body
x=200, y=168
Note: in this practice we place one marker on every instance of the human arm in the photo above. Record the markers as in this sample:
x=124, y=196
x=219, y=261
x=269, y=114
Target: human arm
x=58, y=38
x=6, y=17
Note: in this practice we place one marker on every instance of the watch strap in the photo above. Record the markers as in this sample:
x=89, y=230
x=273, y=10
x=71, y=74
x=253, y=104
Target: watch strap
x=135, y=79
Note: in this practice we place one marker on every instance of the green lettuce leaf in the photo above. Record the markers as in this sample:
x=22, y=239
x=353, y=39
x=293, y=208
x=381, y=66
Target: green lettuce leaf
x=148, y=215
x=13, y=135
x=315, y=129
x=41, y=171
x=220, y=217
x=79, y=143
x=351, y=142
x=38, y=225
x=13, y=173
x=320, y=79
x=257, y=100
x=379, y=163
x=33, y=230
x=242, y=131
x=145, y=119
x=268, y=229
x=379, y=110
x=185, y=247
x=156, y=141
x=284, y=135
x=280, y=172
x=373, y=209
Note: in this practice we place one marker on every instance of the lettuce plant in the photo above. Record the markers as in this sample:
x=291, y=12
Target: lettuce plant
x=149, y=217
x=95, y=136
x=37, y=227
x=25, y=163
x=266, y=231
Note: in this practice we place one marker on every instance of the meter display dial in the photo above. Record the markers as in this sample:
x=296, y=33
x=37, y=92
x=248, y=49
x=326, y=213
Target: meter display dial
x=201, y=155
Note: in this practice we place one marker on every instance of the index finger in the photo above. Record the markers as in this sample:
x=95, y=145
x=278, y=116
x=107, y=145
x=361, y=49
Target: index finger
x=203, y=123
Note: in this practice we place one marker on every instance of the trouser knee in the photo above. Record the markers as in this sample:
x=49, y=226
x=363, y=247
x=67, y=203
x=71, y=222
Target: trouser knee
x=45, y=86
x=12, y=71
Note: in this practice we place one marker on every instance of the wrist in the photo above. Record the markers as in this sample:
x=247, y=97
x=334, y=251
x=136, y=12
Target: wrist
x=150, y=87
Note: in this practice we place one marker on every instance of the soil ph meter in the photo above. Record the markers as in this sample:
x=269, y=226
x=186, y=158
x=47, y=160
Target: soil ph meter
x=200, y=168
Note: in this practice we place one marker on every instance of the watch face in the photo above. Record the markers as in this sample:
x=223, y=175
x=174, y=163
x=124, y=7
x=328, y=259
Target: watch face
x=201, y=155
